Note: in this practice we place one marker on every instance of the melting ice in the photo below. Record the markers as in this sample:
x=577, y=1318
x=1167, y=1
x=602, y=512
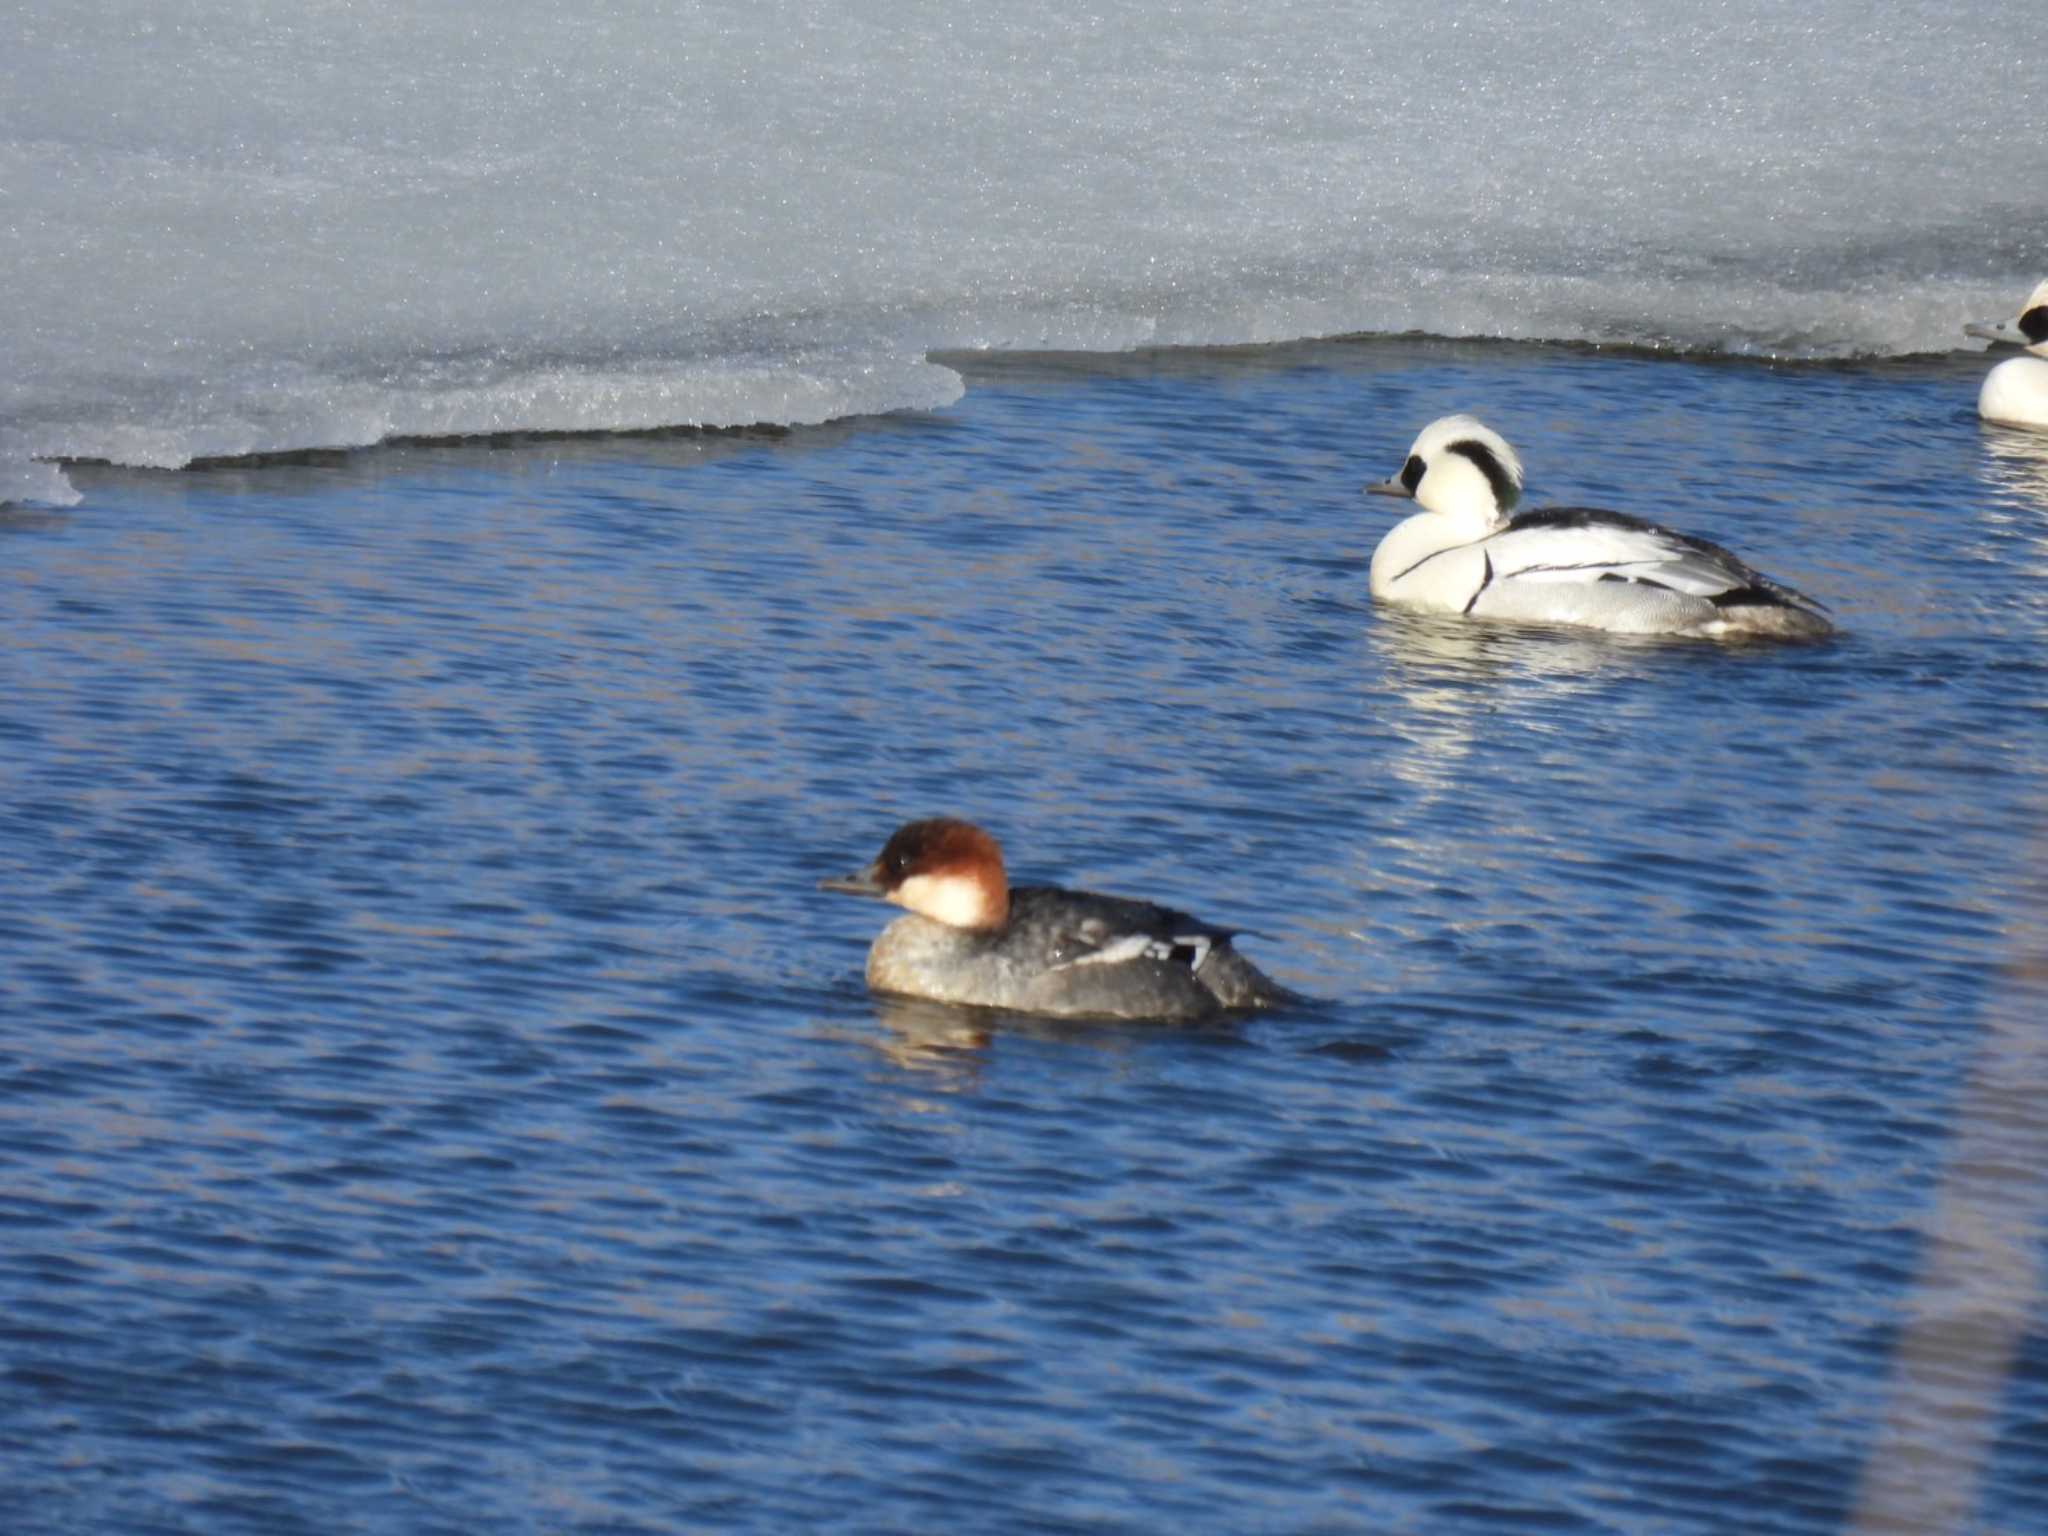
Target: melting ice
x=231, y=228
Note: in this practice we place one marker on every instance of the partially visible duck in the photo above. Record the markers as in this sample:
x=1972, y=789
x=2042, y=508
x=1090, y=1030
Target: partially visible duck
x=2015, y=393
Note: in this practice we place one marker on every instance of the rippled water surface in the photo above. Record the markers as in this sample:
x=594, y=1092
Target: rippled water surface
x=434, y=1097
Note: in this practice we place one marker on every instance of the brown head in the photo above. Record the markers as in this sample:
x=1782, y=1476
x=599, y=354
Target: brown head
x=947, y=870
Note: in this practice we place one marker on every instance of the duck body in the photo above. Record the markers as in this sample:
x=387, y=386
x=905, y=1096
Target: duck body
x=1073, y=952
x=1468, y=553
x=1593, y=568
x=971, y=938
x=2015, y=393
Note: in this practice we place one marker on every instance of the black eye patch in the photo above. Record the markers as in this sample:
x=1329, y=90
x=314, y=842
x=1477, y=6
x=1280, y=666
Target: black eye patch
x=2034, y=324
x=1411, y=473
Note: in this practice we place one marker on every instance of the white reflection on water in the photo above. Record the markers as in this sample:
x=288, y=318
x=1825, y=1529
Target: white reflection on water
x=1982, y=1278
x=2017, y=463
x=2015, y=467
x=1981, y=1274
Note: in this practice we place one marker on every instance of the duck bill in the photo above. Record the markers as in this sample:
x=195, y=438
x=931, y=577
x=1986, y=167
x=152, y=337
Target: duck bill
x=862, y=882
x=1389, y=488
x=1995, y=330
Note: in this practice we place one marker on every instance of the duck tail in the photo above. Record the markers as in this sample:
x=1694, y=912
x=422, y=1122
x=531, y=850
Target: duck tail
x=1237, y=983
x=1766, y=610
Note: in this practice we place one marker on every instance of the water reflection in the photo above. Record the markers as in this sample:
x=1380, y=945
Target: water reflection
x=954, y=1043
x=950, y=1042
x=1453, y=677
x=1438, y=662
x=2016, y=463
x=2014, y=467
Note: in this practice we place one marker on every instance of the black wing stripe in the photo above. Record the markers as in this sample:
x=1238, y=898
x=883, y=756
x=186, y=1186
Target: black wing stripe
x=1418, y=565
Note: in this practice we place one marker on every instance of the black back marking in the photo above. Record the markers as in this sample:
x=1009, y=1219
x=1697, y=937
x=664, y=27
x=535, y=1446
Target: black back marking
x=1752, y=596
x=1581, y=517
x=1418, y=565
x=1485, y=579
x=1505, y=491
x=2034, y=324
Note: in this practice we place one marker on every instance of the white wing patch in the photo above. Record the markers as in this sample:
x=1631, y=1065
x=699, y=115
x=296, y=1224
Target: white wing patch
x=1584, y=554
x=1142, y=946
x=1132, y=946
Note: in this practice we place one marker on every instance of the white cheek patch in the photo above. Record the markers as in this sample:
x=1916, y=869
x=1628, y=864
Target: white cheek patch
x=956, y=900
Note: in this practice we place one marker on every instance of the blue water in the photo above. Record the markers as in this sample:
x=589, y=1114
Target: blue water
x=434, y=1097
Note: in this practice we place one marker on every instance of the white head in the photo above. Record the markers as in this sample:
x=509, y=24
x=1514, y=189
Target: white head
x=947, y=870
x=2029, y=329
x=1463, y=469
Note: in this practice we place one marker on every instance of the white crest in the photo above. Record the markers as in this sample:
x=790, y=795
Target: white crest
x=1469, y=471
